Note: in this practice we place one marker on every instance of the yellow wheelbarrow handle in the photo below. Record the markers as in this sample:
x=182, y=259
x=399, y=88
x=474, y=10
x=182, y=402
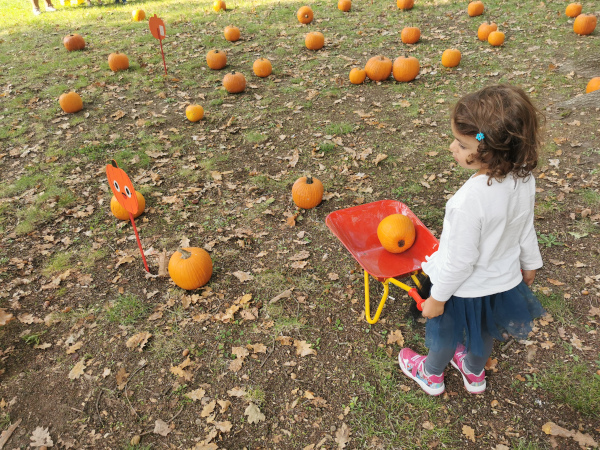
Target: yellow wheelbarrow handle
x=386, y=290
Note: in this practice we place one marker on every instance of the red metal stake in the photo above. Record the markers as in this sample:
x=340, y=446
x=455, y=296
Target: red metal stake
x=163, y=55
x=139, y=242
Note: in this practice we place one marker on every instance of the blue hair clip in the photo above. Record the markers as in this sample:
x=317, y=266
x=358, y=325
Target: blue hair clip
x=479, y=137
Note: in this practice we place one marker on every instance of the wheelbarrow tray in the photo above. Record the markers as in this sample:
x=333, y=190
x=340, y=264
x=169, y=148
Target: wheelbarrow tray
x=356, y=228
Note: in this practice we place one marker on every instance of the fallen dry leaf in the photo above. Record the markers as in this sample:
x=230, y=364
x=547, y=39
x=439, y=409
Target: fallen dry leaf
x=223, y=427
x=77, y=370
x=303, y=348
x=161, y=427
x=208, y=409
x=243, y=276
x=73, y=348
x=396, y=337
x=121, y=377
x=342, y=436
x=138, y=340
x=236, y=392
x=584, y=440
x=469, y=432
x=197, y=394
x=5, y=317
x=41, y=438
x=254, y=414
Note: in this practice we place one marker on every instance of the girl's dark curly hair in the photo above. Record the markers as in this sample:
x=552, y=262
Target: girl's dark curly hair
x=510, y=124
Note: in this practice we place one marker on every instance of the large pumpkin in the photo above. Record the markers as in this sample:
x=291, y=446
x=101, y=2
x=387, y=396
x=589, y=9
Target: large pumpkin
x=121, y=213
x=190, y=268
x=219, y=5
x=138, y=15
x=496, y=38
x=344, y=5
x=573, y=9
x=194, y=113
x=406, y=68
x=216, y=59
x=396, y=233
x=593, y=85
x=410, y=35
x=231, y=33
x=485, y=29
x=378, y=68
x=405, y=4
x=305, y=15
x=451, y=57
x=73, y=42
x=70, y=102
x=234, y=82
x=307, y=192
x=357, y=75
x=262, y=67
x=475, y=8
x=585, y=24
x=314, y=40
x=118, y=61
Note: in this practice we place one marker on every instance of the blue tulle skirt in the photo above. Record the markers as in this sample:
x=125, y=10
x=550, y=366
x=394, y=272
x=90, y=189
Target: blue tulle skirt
x=466, y=320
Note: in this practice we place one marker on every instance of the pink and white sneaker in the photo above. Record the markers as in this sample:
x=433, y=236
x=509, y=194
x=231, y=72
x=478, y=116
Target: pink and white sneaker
x=411, y=364
x=474, y=384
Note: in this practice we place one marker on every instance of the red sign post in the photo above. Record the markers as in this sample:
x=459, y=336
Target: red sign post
x=157, y=28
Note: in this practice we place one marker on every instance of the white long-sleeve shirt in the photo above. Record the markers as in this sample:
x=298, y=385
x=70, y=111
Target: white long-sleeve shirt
x=487, y=238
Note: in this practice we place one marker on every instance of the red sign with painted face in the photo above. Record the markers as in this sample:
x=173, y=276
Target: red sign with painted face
x=122, y=187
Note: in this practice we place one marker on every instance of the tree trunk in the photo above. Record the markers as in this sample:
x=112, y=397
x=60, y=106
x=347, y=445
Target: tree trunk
x=591, y=100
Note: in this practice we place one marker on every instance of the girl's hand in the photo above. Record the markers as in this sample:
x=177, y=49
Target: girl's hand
x=528, y=277
x=432, y=308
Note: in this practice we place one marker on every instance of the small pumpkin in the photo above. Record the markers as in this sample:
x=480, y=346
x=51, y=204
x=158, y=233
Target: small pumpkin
x=216, y=59
x=593, y=85
x=344, y=5
x=475, y=8
x=378, y=68
x=405, y=4
x=231, y=33
x=496, y=38
x=406, y=69
x=138, y=15
x=585, y=24
x=118, y=61
x=262, y=67
x=73, y=42
x=219, y=5
x=485, y=29
x=314, y=40
x=410, y=35
x=121, y=213
x=357, y=75
x=234, y=82
x=190, y=268
x=451, y=57
x=305, y=15
x=573, y=9
x=396, y=233
x=307, y=192
x=70, y=102
x=194, y=113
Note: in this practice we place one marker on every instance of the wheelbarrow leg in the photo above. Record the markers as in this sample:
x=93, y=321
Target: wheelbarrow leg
x=386, y=290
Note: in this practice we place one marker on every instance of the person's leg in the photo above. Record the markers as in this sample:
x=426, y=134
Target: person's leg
x=436, y=362
x=36, y=6
x=49, y=6
x=475, y=364
x=413, y=366
x=472, y=366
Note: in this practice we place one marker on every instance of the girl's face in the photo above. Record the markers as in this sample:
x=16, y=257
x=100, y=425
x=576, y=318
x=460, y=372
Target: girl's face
x=464, y=149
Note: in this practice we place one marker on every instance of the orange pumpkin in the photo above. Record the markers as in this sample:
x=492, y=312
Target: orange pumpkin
x=307, y=192
x=485, y=29
x=378, y=68
x=344, y=5
x=216, y=59
x=121, y=213
x=118, y=61
x=190, y=268
x=405, y=4
x=232, y=33
x=138, y=15
x=406, y=68
x=73, y=42
x=234, y=82
x=496, y=38
x=475, y=8
x=305, y=15
x=219, y=5
x=573, y=9
x=357, y=76
x=585, y=24
x=262, y=67
x=314, y=40
x=451, y=57
x=396, y=233
x=194, y=113
x=593, y=85
x=70, y=102
x=410, y=35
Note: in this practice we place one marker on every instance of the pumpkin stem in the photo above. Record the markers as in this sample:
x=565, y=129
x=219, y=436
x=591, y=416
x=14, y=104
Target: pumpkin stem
x=184, y=253
x=114, y=163
x=309, y=179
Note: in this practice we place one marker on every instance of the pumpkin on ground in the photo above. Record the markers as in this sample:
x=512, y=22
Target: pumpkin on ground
x=73, y=42
x=405, y=4
x=378, y=68
x=232, y=33
x=451, y=57
x=357, y=75
x=344, y=5
x=485, y=29
x=121, y=213
x=138, y=15
x=219, y=5
x=234, y=82
x=70, y=102
x=305, y=15
x=314, y=40
x=406, y=69
x=307, y=192
x=410, y=35
x=475, y=8
x=573, y=9
x=585, y=24
x=262, y=67
x=396, y=233
x=118, y=61
x=190, y=268
x=216, y=59
x=593, y=85
x=496, y=38
x=194, y=113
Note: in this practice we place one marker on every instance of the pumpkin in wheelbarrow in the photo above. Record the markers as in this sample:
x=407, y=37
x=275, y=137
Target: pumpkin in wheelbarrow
x=396, y=233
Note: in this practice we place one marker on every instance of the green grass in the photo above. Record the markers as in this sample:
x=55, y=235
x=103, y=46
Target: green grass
x=127, y=310
x=559, y=307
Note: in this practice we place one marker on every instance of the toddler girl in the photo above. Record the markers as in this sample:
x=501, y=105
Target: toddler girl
x=488, y=252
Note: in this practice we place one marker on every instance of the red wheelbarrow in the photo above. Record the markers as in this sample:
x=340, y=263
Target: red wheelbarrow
x=356, y=228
